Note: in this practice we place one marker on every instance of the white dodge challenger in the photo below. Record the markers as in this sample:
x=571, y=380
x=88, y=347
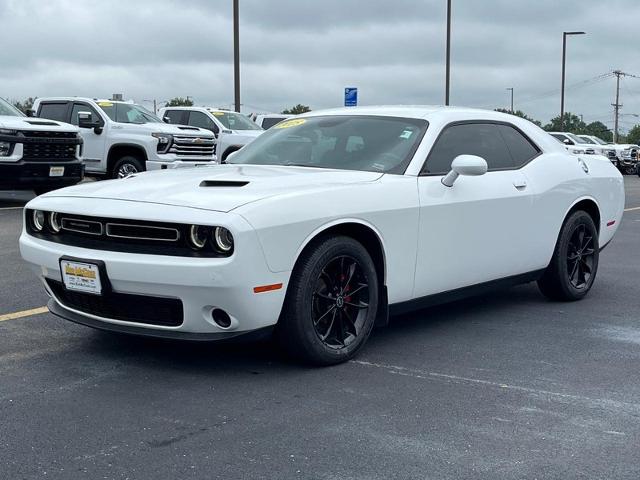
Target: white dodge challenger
x=324, y=226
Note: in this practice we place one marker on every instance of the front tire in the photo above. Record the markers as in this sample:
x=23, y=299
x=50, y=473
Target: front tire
x=574, y=264
x=331, y=302
x=125, y=166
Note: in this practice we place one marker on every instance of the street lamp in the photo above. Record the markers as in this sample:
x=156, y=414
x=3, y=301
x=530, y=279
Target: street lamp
x=564, y=62
x=511, y=88
x=236, y=55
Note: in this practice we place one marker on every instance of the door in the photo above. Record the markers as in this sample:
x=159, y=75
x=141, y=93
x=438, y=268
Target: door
x=477, y=230
x=94, y=148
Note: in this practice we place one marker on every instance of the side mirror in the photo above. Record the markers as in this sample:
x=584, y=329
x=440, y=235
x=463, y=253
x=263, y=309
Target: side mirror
x=166, y=119
x=470, y=165
x=85, y=120
x=31, y=113
x=566, y=141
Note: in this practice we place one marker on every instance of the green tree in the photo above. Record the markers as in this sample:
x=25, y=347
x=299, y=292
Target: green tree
x=180, y=102
x=598, y=129
x=634, y=135
x=572, y=123
x=298, y=109
x=24, y=106
x=519, y=113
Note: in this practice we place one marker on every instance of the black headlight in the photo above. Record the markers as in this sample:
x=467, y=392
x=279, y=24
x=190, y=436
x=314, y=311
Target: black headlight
x=164, y=141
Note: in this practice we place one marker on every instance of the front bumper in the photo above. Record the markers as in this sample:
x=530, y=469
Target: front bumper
x=166, y=164
x=24, y=175
x=201, y=284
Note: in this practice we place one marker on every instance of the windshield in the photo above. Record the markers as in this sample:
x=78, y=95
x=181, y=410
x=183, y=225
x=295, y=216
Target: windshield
x=128, y=113
x=587, y=140
x=7, y=109
x=367, y=143
x=600, y=141
x=234, y=121
x=573, y=137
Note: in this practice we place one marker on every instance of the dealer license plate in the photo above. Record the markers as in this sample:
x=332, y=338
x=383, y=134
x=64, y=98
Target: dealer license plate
x=56, y=171
x=81, y=277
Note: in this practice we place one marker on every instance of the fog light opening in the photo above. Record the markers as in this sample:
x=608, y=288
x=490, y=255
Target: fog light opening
x=221, y=318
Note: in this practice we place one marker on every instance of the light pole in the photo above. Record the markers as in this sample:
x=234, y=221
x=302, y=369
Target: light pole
x=448, y=54
x=236, y=55
x=564, y=62
x=511, y=88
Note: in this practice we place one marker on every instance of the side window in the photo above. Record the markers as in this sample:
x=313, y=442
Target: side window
x=175, y=116
x=481, y=139
x=199, y=119
x=521, y=148
x=81, y=107
x=54, y=111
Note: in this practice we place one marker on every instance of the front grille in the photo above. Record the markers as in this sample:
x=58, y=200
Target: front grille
x=45, y=146
x=145, y=309
x=189, y=145
x=124, y=235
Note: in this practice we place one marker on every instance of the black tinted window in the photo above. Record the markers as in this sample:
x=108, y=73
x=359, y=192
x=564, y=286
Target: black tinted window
x=521, y=149
x=53, y=111
x=267, y=123
x=175, y=116
x=77, y=107
x=199, y=119
x=481, y=139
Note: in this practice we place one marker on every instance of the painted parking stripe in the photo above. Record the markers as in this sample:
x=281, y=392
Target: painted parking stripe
x=11, y=208
x=23, y=313
x=631, y=209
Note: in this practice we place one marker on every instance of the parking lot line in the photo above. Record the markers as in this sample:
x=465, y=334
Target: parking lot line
x=23, y=313
x=11, y=208
x=631, y=209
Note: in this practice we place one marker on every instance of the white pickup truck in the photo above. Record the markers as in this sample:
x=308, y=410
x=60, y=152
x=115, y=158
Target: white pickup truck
x=232, y=130
x=36, y=154
x=122, y=138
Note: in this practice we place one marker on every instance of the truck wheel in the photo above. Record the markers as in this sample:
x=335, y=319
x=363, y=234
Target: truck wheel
x=574, y=264
x=331, y=302
x=127, y=165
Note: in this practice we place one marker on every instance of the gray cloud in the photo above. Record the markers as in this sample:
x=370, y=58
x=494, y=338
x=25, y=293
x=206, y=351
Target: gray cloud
x=296, y=51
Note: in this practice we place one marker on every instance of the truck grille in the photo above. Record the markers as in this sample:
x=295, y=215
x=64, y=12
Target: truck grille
x=190, y=145
x=46, y=146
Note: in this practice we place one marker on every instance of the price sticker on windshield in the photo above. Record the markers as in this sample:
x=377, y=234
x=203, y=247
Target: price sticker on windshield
x=294, y=122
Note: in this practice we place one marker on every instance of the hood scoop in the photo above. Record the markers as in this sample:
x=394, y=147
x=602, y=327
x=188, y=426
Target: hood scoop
x=223, y=183
x=46, y=124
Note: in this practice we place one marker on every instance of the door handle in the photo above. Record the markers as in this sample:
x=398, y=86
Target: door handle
x=520, y=183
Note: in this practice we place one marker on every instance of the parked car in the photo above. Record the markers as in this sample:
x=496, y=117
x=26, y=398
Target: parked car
x=268, y=120
x=625, y=156
x=606, y=149
x=122, y=138
x=325, y=225
x=574, y=144
x=37, y=155
x=232, y=130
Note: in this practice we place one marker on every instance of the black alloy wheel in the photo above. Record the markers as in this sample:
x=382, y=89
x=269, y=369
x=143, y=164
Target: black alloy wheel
x=574, y=264
x=340, y=302
x=331, y=302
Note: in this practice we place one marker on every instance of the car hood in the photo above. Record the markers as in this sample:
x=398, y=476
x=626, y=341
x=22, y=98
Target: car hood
x=167, y=128
x=35, y=124
x=218, y=188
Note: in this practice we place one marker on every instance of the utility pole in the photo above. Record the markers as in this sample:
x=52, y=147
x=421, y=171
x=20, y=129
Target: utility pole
x=448, y=54
x=511, y=88
x=564, y=65
x=236, y=54
x=616, y=106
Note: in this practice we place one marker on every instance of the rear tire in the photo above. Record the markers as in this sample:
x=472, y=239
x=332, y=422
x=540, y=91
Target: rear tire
x=331, y=302
x=125, y=166
x=574, y=264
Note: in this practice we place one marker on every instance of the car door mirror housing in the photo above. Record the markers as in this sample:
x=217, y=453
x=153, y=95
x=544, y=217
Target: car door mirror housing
x=166, y=119
x=85, y=120
x=566, y=141
x=468, y=165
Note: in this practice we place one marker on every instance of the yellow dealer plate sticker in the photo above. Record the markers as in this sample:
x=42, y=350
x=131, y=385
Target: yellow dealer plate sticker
x=294, y=122
x=105, y=104
x=81, y=277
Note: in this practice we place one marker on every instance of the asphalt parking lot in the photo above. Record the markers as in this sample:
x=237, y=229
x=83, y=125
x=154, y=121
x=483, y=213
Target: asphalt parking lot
x=508, y=385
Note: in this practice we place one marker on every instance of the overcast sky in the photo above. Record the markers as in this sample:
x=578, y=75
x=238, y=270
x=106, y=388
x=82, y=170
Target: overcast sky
x=307, y=51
